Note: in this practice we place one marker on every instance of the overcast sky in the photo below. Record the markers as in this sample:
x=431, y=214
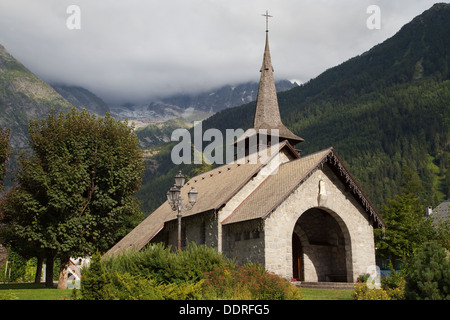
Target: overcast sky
x=133, y=50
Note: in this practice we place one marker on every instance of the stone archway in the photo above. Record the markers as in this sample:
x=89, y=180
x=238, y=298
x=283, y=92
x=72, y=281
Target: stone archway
x=323, y=241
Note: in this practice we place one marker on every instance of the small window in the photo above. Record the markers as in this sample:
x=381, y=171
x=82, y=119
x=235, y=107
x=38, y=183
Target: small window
x=203, y=233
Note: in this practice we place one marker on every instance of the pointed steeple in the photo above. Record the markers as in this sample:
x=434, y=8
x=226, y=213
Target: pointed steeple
x=267, y=113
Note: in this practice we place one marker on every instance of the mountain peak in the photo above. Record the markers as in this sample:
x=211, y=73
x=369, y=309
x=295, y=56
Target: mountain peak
x=430, y=14
x=23, y=96
x=440, y=6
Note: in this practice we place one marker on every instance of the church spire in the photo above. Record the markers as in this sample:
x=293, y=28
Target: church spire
x=267, y=113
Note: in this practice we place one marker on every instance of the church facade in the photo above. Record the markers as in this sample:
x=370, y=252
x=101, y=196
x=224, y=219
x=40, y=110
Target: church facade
x=302, y=217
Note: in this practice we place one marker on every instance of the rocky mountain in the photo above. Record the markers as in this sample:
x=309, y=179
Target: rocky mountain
x=23, y=96
x=190, y=107
x=159, y=133
x=82, y=98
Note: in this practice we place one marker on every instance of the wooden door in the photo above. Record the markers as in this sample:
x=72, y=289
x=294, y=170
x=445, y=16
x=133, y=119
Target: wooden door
x=297, y=258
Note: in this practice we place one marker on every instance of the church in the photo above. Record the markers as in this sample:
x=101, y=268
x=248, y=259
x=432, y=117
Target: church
x=301, y=217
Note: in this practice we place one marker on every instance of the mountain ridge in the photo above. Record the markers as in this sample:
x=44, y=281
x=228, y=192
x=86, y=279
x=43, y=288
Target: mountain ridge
x=23, y=96
x=383, y=111
x=192, y=107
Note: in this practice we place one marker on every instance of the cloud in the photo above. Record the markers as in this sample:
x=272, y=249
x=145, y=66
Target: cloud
x=132, y=50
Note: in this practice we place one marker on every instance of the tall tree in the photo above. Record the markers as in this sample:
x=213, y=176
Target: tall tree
x=76, y=192
x=407, y=228
x=5, y=151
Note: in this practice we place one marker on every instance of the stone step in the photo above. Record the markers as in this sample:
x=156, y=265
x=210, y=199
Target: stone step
x=325, y=285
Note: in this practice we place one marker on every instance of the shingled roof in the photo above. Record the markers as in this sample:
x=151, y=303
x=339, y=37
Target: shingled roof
x=267, y=113
x=441, y=212
x=277, y=187
x=214, y=187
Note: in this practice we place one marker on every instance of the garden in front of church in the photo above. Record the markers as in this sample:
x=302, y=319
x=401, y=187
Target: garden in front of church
x=201, y=273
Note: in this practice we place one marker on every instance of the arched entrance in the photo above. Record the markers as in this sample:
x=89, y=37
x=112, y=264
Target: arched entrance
x=319, y=247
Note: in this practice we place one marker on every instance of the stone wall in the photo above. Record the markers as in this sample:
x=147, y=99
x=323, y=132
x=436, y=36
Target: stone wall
x=337, y=201
x=334, y=230
x=323, y=246
x=201, y=229
x=244, y=242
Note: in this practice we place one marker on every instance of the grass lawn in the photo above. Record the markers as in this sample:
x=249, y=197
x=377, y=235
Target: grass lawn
x=326, y=294
x=32, y=291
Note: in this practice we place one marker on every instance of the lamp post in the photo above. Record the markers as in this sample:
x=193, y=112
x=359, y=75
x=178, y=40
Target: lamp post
x=176, y=202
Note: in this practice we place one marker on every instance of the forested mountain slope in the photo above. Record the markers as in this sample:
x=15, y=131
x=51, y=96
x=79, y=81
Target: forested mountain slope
x=382, y=111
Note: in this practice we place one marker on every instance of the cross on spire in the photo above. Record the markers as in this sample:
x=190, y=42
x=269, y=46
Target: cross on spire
x=267, y=19
x=267, y=113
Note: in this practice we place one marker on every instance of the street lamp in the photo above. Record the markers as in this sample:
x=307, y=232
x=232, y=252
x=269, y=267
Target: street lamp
x=176, y=202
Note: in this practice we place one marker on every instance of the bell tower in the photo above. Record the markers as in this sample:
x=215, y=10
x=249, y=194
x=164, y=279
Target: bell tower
x=267, y=120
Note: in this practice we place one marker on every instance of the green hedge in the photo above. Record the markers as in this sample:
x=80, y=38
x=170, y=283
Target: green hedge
x=199, y=272
x=165, y=265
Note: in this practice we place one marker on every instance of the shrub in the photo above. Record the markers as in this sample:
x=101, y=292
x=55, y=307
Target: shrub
x=428, y=277
x=18, y=268
x=392, y=288
x=249, y=282
x=128, y=287
x=394, y=284
x=199, y=272
x=218, y=284
x=183, y=291
x=196, y=260
x=362, y=292
x=167, y=266
x=94, y=281
x=363, y=278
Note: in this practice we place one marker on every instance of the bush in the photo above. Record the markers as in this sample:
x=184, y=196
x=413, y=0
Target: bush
x=362, y=292
x=19, y=268
x=428, y=277
x=363, y=278
x=167, y=266
x=392, y=288
x=199, y=272
x=94, y=281
x=153, y=273
x=249, y=282
x=394, y=284
x=128, y=287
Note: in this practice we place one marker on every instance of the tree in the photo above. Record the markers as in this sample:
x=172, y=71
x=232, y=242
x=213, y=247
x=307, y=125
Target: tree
x=94, y=281
x=429, y=274
x=5, y=151
x=407, y=227
x=76, y=192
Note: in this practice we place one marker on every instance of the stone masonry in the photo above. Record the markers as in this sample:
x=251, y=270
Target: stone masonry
x=351, y=218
